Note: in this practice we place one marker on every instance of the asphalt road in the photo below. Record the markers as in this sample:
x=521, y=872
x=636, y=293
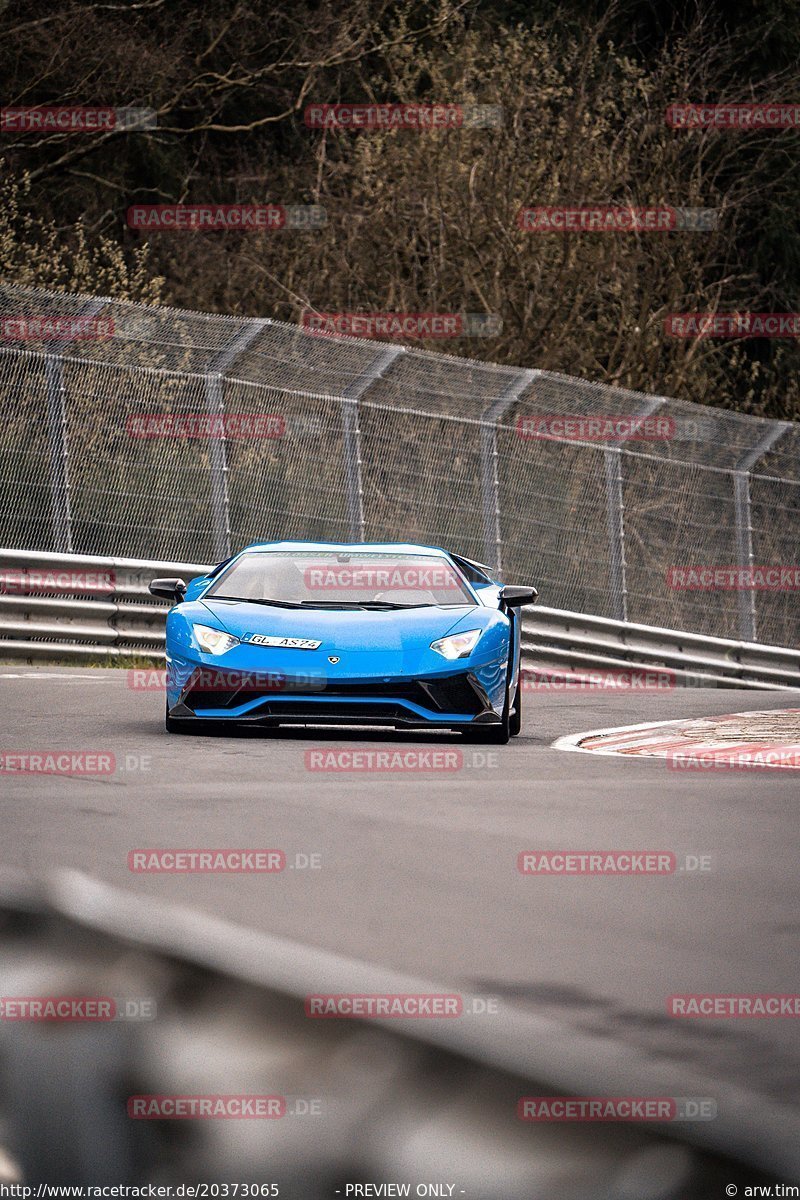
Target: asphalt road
x=418, y=871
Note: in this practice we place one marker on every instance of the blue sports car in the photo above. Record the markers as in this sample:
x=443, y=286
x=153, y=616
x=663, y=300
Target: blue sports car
x=318, y=633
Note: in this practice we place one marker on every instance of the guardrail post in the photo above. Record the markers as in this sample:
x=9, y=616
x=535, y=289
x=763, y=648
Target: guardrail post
x=748, y=623
x=490, y=475
x=615, y=506
x=218, y=452
x=58, y=445
x=351, y=433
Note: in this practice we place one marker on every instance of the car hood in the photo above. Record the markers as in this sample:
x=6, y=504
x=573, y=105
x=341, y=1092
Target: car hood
x=342, y=629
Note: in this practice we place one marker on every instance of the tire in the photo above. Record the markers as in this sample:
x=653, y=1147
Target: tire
x=492, y=735
x=515, y=721
x=488, y=735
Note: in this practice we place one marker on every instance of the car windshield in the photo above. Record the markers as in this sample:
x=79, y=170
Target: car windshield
x=328, y=579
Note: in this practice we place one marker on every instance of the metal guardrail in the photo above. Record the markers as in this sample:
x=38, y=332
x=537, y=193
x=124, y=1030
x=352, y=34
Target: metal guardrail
x=80, y=608
x=555, y=640
x=77, y=607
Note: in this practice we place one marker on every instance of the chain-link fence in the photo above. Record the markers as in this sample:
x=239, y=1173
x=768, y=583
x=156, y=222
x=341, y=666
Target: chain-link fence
x=158, y=433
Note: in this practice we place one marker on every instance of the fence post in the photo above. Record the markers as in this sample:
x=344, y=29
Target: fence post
x=615, y=505
x=58, y=445
x=748, y=625
x=218, y=448
x=351, y=433
x=490, y=475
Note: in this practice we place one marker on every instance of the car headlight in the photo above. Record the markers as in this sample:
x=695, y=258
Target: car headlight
x=457, y=645
x=213, y=641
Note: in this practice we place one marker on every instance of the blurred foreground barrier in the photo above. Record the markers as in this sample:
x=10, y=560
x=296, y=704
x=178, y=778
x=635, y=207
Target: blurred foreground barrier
x=216, y=1010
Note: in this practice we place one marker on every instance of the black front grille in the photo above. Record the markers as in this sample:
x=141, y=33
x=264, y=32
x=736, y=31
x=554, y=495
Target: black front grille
x=225, y=689
x=456, y=693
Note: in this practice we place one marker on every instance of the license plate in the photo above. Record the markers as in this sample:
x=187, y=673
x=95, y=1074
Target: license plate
x=288, y=643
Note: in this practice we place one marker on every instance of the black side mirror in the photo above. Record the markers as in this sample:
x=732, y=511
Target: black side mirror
x=515, y=597
x=168, y=589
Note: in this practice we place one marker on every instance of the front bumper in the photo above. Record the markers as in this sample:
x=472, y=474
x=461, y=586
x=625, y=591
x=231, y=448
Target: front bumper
x=437, y=701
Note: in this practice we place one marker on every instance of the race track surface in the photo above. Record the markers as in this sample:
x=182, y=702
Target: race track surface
x=418, y=871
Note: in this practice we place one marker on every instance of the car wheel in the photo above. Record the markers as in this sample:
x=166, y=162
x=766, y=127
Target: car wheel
x=492, y=735
x=488, y=735
x=515, y=722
